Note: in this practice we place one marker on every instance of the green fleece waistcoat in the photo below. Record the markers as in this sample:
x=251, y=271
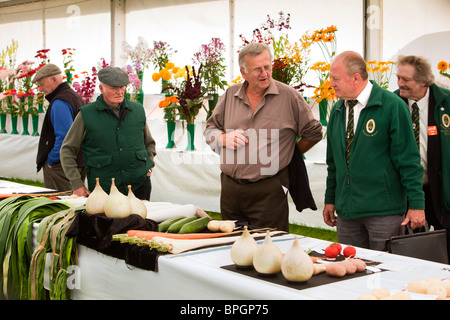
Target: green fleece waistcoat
x=115, y=148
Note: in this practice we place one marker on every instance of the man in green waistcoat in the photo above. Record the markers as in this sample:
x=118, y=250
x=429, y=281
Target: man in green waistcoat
x=116, y=142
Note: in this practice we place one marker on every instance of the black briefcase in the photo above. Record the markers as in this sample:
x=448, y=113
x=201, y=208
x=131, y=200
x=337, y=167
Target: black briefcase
x=427, y=245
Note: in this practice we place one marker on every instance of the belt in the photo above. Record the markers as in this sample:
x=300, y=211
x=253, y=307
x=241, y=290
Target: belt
x=241, y=181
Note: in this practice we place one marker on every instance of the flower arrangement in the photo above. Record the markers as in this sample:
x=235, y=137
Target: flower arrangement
x=134, y=72
x=8, y=63
x=442, y=67
x=380, y=72
x=23, y=76
x=141, y=54
x=265, y=34
x=86, y=88
x=327, y=41
x=67, y=62
x=211, y=57
x=171, y=73
x=324, y=92
x=290, y=59
x=161, y=54
x=190, y=96
x=43, y=56
x=172, y=76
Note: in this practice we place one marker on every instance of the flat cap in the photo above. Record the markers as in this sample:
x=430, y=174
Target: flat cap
x=47, y=70
x=113, y=76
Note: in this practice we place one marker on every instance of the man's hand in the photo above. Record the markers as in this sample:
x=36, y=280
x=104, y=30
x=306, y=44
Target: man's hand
x=233, y=140
x=416, y=217
x=82, y=192
x=329, y=216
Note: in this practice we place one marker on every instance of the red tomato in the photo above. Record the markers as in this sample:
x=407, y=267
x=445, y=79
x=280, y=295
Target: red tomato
x=349, y=252
x=331, y=252
x=337, y=246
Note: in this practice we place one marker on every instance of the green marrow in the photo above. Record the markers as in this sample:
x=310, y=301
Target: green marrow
x=176, y=226
x=195, y=226
x=163, y=226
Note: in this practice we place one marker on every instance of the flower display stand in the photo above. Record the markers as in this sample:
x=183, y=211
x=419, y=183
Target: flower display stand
x=323, y=111
x=3, y=123
x=25, y=131
x=14, y=124
x=170, y=134
x=35, y=122
x=190, y=137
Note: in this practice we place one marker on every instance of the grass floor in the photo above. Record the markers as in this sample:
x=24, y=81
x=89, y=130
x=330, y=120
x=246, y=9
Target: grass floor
x=318, y=233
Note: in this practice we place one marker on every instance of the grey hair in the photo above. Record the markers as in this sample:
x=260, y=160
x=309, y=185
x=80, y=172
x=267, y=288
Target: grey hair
x=252, y=49
x=422, y=68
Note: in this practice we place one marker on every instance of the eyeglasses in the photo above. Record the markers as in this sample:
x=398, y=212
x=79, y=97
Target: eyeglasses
x=258, y=71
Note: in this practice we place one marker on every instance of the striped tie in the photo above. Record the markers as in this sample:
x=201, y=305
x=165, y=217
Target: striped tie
x=350, y=131
x=416, y=122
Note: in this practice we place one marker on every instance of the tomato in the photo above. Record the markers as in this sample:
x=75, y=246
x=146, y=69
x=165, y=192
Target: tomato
x=331, y=252
x=349, y=252
x=337, y=246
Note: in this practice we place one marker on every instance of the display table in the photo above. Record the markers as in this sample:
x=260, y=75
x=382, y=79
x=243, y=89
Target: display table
x=198, y=275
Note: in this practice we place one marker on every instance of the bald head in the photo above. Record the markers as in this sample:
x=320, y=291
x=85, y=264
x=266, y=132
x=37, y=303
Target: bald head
x=349, y=75
x=353, y=63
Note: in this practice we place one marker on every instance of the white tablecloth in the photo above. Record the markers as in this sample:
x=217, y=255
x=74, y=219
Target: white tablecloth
x=197, y=275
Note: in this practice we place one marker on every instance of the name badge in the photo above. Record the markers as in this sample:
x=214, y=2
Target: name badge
x=432, y=131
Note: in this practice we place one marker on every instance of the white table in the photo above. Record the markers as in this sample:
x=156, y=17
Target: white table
x=197, y=275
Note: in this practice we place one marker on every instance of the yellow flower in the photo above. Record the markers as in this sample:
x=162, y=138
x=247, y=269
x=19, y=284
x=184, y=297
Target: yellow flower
x=442, y=66
x=170, y=65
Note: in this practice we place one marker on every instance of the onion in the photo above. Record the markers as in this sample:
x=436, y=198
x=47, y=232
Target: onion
x=267, y=258
x=137, y=206
x=296, y=265
x=117, y=204
x=95, y=203
x=243, y=250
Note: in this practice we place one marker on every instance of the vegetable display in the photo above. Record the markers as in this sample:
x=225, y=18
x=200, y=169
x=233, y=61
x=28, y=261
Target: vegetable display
x=95, y=203
x=243, y=250
x=117, y=204
x=17, y=216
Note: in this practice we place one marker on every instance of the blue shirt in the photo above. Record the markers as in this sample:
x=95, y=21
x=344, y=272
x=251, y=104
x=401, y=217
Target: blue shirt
x=62, y=118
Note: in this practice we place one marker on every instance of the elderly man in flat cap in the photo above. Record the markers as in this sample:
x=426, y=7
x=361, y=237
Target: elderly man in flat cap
x=116, y=142
x=64, y=106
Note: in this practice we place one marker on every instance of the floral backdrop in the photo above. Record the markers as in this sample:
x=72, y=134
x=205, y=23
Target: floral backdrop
x=194, y=84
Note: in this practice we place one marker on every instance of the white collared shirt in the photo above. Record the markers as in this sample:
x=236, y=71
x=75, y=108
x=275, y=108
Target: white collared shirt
x=363, y=100
x=423, y=114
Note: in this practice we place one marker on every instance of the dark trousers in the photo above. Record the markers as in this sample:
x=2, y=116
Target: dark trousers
x=54, y=177
x=430, y=214
x=144, y=191
x=260, y=204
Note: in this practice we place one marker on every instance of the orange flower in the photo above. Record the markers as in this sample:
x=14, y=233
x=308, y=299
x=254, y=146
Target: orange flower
x=442, y=66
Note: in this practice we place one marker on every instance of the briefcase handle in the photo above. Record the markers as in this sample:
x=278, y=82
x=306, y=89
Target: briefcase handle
x=410, y=230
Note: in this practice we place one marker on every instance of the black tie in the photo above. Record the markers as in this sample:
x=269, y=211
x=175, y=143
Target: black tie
x=416, y=122
x=350, y=131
